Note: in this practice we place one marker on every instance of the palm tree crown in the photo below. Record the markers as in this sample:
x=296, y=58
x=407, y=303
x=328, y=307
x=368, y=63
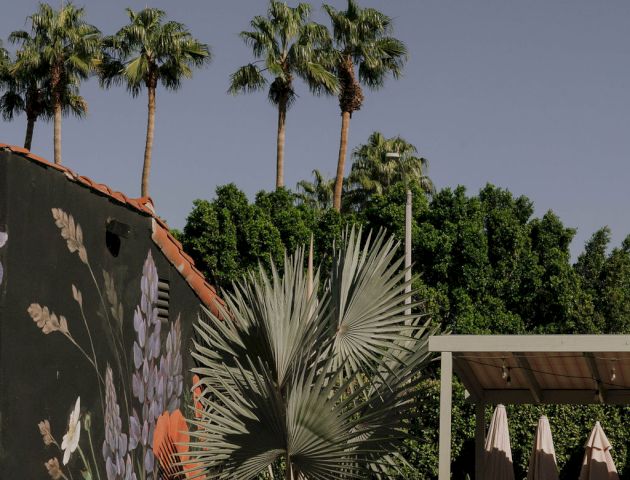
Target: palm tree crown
x=362, y=39
x=28, y=89
x=150, y=51
x=285, y=45
x=320, y=378
x=318, y=193
x=373, y=171
x=65, y=47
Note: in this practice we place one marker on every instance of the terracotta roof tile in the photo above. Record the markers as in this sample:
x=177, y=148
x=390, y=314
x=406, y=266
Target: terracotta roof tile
x=161, y=236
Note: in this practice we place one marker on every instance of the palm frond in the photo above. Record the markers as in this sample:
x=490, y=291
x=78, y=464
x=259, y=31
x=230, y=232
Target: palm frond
x=284, y=371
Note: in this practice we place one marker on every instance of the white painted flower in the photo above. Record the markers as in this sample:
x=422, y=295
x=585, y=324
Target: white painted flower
x=71, y=438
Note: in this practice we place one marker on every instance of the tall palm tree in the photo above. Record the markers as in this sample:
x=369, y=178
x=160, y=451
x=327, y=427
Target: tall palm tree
x=28, y=90
x=5, y=60
x=318, y=193
x=320, y=380
x=373, y=170
x=361, y=40
x=68, y=49
x=285, y=45
x=146, y=52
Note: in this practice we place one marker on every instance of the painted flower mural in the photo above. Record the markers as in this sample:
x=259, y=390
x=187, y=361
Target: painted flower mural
x=70, y=440
x=147, y=369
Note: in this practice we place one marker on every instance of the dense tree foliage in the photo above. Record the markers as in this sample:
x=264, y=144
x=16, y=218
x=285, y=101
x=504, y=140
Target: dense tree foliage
x=486, y=265
x=229, y=235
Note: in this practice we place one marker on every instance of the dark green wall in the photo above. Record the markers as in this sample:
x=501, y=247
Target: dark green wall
x=41, y=375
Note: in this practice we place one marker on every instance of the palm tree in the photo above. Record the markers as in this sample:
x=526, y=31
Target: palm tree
x=373, y=170
x=285, y=45
x=362, y=40
x=146, y=52
x=5, y=60
x=28, y=90
x=68, y=49
x=319, y=383
x=318, y=193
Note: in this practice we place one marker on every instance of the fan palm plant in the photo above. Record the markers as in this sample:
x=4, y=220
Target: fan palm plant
x=28, y=90
x=318, y=193
x=146, y=52
x=320, y=383
x=361, y=40
x=373, y=170
x=285, y=45
x=67, y=49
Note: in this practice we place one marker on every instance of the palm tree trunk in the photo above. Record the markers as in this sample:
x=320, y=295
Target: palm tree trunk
x=30, y=127
x=282, y=118
x=341, y=162
x=148, y=148
x=57, y=134
x=56, y=76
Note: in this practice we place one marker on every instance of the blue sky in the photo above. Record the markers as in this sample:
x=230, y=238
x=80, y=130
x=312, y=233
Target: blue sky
x=531, y=96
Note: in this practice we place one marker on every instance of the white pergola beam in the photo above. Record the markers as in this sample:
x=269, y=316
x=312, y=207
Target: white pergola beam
x=446, y=402
x=529, y=343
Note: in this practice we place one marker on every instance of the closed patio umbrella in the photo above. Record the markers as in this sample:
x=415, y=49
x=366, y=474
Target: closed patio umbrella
x=598, y=463
x=497, y=462
x=542, y=463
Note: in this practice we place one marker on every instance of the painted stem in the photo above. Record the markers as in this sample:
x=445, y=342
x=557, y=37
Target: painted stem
x=98, y=474
x=87, y=328
x=85, y=462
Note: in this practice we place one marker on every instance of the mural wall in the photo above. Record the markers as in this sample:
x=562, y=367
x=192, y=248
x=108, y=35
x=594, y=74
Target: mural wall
x=94, y=335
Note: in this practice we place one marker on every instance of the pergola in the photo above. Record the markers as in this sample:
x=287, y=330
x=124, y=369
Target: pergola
x=510, y=369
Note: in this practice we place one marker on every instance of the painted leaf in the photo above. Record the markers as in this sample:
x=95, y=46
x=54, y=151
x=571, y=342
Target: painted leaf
x=71, y=232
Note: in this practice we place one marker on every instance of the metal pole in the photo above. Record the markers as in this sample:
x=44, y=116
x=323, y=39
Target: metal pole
x=446, y=401
x=408, y=249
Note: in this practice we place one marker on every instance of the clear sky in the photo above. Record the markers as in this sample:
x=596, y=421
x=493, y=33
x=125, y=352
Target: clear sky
x=533, y=96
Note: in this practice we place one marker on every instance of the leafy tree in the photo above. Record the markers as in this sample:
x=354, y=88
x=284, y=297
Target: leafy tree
x=227, y=236
x=317, y=194
x=486, y=264
x=606, y=279
x=373, y=171
x=67, y=48
x=285, y=45
x=146, y=52
x=361, y=39
x=286, y=380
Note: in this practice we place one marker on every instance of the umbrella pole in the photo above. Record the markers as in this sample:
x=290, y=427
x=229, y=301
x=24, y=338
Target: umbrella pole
x=480, y=435
x=446, y=400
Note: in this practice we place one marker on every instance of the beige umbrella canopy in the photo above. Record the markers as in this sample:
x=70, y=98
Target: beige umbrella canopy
x=542, y=463
x=598, y=463
x=497, y=462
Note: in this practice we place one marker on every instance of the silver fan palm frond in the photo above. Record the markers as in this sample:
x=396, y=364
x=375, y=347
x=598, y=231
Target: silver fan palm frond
x=321, y=383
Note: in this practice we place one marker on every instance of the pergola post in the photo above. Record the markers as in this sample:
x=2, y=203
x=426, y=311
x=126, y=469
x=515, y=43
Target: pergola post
x=480, y=435
x=446, y=400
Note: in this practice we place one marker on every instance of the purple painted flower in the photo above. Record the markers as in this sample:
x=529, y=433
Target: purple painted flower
x=146, y=349
x=115, y=444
